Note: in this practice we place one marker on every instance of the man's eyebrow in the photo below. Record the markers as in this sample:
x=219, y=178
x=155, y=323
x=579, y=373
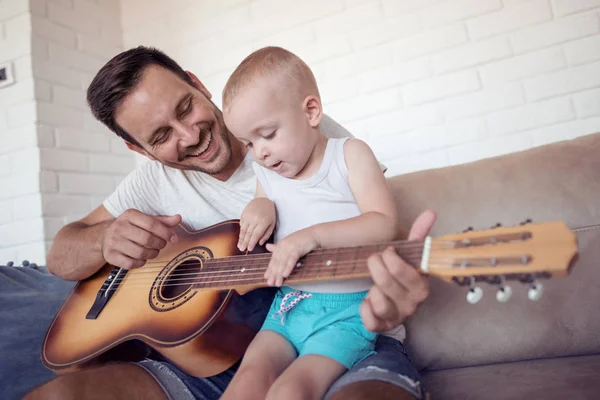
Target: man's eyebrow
x=154, y=136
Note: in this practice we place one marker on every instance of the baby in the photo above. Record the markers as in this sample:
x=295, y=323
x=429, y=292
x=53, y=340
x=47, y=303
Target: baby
x=317, y=193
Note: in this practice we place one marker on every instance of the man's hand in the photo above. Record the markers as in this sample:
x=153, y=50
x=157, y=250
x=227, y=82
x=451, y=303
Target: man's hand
x=286, y=254
x=134, y=237
x=399, y=288
x=256, y=223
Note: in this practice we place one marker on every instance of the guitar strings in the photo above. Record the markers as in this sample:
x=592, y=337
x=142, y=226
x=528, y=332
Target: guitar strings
x=175, y=278
x=251, y=280
x=244, y=262
x=320, y=253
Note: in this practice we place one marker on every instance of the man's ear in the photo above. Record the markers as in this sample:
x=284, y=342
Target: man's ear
x=139, y=150
x=313, y=110
x=199, y=84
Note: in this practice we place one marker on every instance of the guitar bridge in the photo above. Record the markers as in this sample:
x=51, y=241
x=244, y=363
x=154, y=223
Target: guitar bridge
x=110, y=285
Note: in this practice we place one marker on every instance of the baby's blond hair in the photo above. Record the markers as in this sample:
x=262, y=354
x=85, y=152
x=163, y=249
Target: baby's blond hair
x=272, y=62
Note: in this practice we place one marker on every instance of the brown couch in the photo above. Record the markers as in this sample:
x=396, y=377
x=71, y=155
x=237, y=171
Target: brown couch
x=548, y=349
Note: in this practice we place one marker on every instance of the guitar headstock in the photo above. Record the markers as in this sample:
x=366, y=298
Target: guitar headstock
x=526, y=253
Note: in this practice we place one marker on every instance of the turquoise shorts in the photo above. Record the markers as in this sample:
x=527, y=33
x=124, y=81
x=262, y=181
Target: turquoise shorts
x=327, y=324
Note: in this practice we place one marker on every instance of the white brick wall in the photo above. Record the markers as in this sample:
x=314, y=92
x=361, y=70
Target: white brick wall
x=59, y=160
x=426, y=83
x=20, y=200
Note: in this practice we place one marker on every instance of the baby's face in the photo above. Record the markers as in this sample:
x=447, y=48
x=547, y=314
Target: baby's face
x=273, y=126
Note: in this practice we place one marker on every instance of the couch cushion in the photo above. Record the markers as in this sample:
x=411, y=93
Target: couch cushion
x=573, y=378
x=558, y=181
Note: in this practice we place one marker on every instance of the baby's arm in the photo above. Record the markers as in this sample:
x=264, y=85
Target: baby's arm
x=257, y=221
x=377, y=222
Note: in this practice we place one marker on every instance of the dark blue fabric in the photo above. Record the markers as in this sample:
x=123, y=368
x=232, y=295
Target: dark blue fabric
x=29, y=299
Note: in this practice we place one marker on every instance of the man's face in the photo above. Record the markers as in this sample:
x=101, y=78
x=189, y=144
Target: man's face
x=175, y=123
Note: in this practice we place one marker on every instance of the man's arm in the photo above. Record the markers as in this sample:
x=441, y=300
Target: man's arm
x=81, y=248
x=399, y=288
x=76, y=251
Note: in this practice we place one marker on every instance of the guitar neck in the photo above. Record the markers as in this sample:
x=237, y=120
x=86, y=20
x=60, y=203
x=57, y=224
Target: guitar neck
x=319, y=265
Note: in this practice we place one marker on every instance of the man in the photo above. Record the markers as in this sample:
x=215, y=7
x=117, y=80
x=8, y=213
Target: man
x=199, y=174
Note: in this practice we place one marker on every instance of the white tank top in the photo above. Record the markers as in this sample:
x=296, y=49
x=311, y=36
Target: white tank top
x=324, y=197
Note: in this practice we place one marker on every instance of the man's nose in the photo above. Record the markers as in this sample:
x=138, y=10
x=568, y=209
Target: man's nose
x=188, y=136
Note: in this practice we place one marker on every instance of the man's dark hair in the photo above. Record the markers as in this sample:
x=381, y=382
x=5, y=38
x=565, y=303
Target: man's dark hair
x=119, y=77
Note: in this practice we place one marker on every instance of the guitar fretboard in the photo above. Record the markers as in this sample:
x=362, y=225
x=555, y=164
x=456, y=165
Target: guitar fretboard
x=324, y=264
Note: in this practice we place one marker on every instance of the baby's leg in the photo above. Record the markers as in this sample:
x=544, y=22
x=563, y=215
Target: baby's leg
x=307, y=378
x=267, y=356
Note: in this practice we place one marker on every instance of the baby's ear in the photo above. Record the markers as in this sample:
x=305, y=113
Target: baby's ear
x=313, y=110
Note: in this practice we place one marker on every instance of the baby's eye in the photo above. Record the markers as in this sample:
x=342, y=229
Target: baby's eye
x=271, y=135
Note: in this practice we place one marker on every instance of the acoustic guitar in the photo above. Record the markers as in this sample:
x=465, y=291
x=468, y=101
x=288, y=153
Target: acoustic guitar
x=178, y=302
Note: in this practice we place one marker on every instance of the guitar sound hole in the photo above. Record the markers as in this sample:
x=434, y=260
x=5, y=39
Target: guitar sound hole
x=181, y=279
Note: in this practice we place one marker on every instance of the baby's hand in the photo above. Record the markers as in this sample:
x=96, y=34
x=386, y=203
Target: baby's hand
x=256, y=223
x=286, y=254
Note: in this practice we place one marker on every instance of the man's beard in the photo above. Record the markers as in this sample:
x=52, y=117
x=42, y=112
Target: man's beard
x=223, y=155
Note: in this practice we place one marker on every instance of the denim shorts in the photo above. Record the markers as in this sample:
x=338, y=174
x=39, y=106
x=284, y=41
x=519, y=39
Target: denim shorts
x=327, y=324
x=390, y=364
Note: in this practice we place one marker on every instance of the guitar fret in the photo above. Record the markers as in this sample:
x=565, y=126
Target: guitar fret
x=336, y=263
x=231, y=274
x=246, y=269
x=357, y=252
x=300, y=269
x=319, y=265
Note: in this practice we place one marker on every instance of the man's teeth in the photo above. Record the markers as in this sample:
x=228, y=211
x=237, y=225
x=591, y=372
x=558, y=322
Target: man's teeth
x=202, y=149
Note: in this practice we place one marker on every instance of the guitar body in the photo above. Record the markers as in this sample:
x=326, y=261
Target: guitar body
x=192, y=328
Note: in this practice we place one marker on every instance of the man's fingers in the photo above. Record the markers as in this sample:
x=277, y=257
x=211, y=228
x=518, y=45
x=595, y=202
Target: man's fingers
x=371, y=321
x=414, y=285
x=145, y=238
x=422, y=225
x=123, y=261
x=134, y=250
x=169, y=220
x=383, y=278
x=383, y=307
x=154, y=225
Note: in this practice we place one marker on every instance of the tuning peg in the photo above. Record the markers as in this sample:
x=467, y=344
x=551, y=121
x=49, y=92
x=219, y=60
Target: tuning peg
x=527, y=221
x=475, y=293
x=504, y=293
x=498, y=225
x=469, y=229
x=535, y=291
